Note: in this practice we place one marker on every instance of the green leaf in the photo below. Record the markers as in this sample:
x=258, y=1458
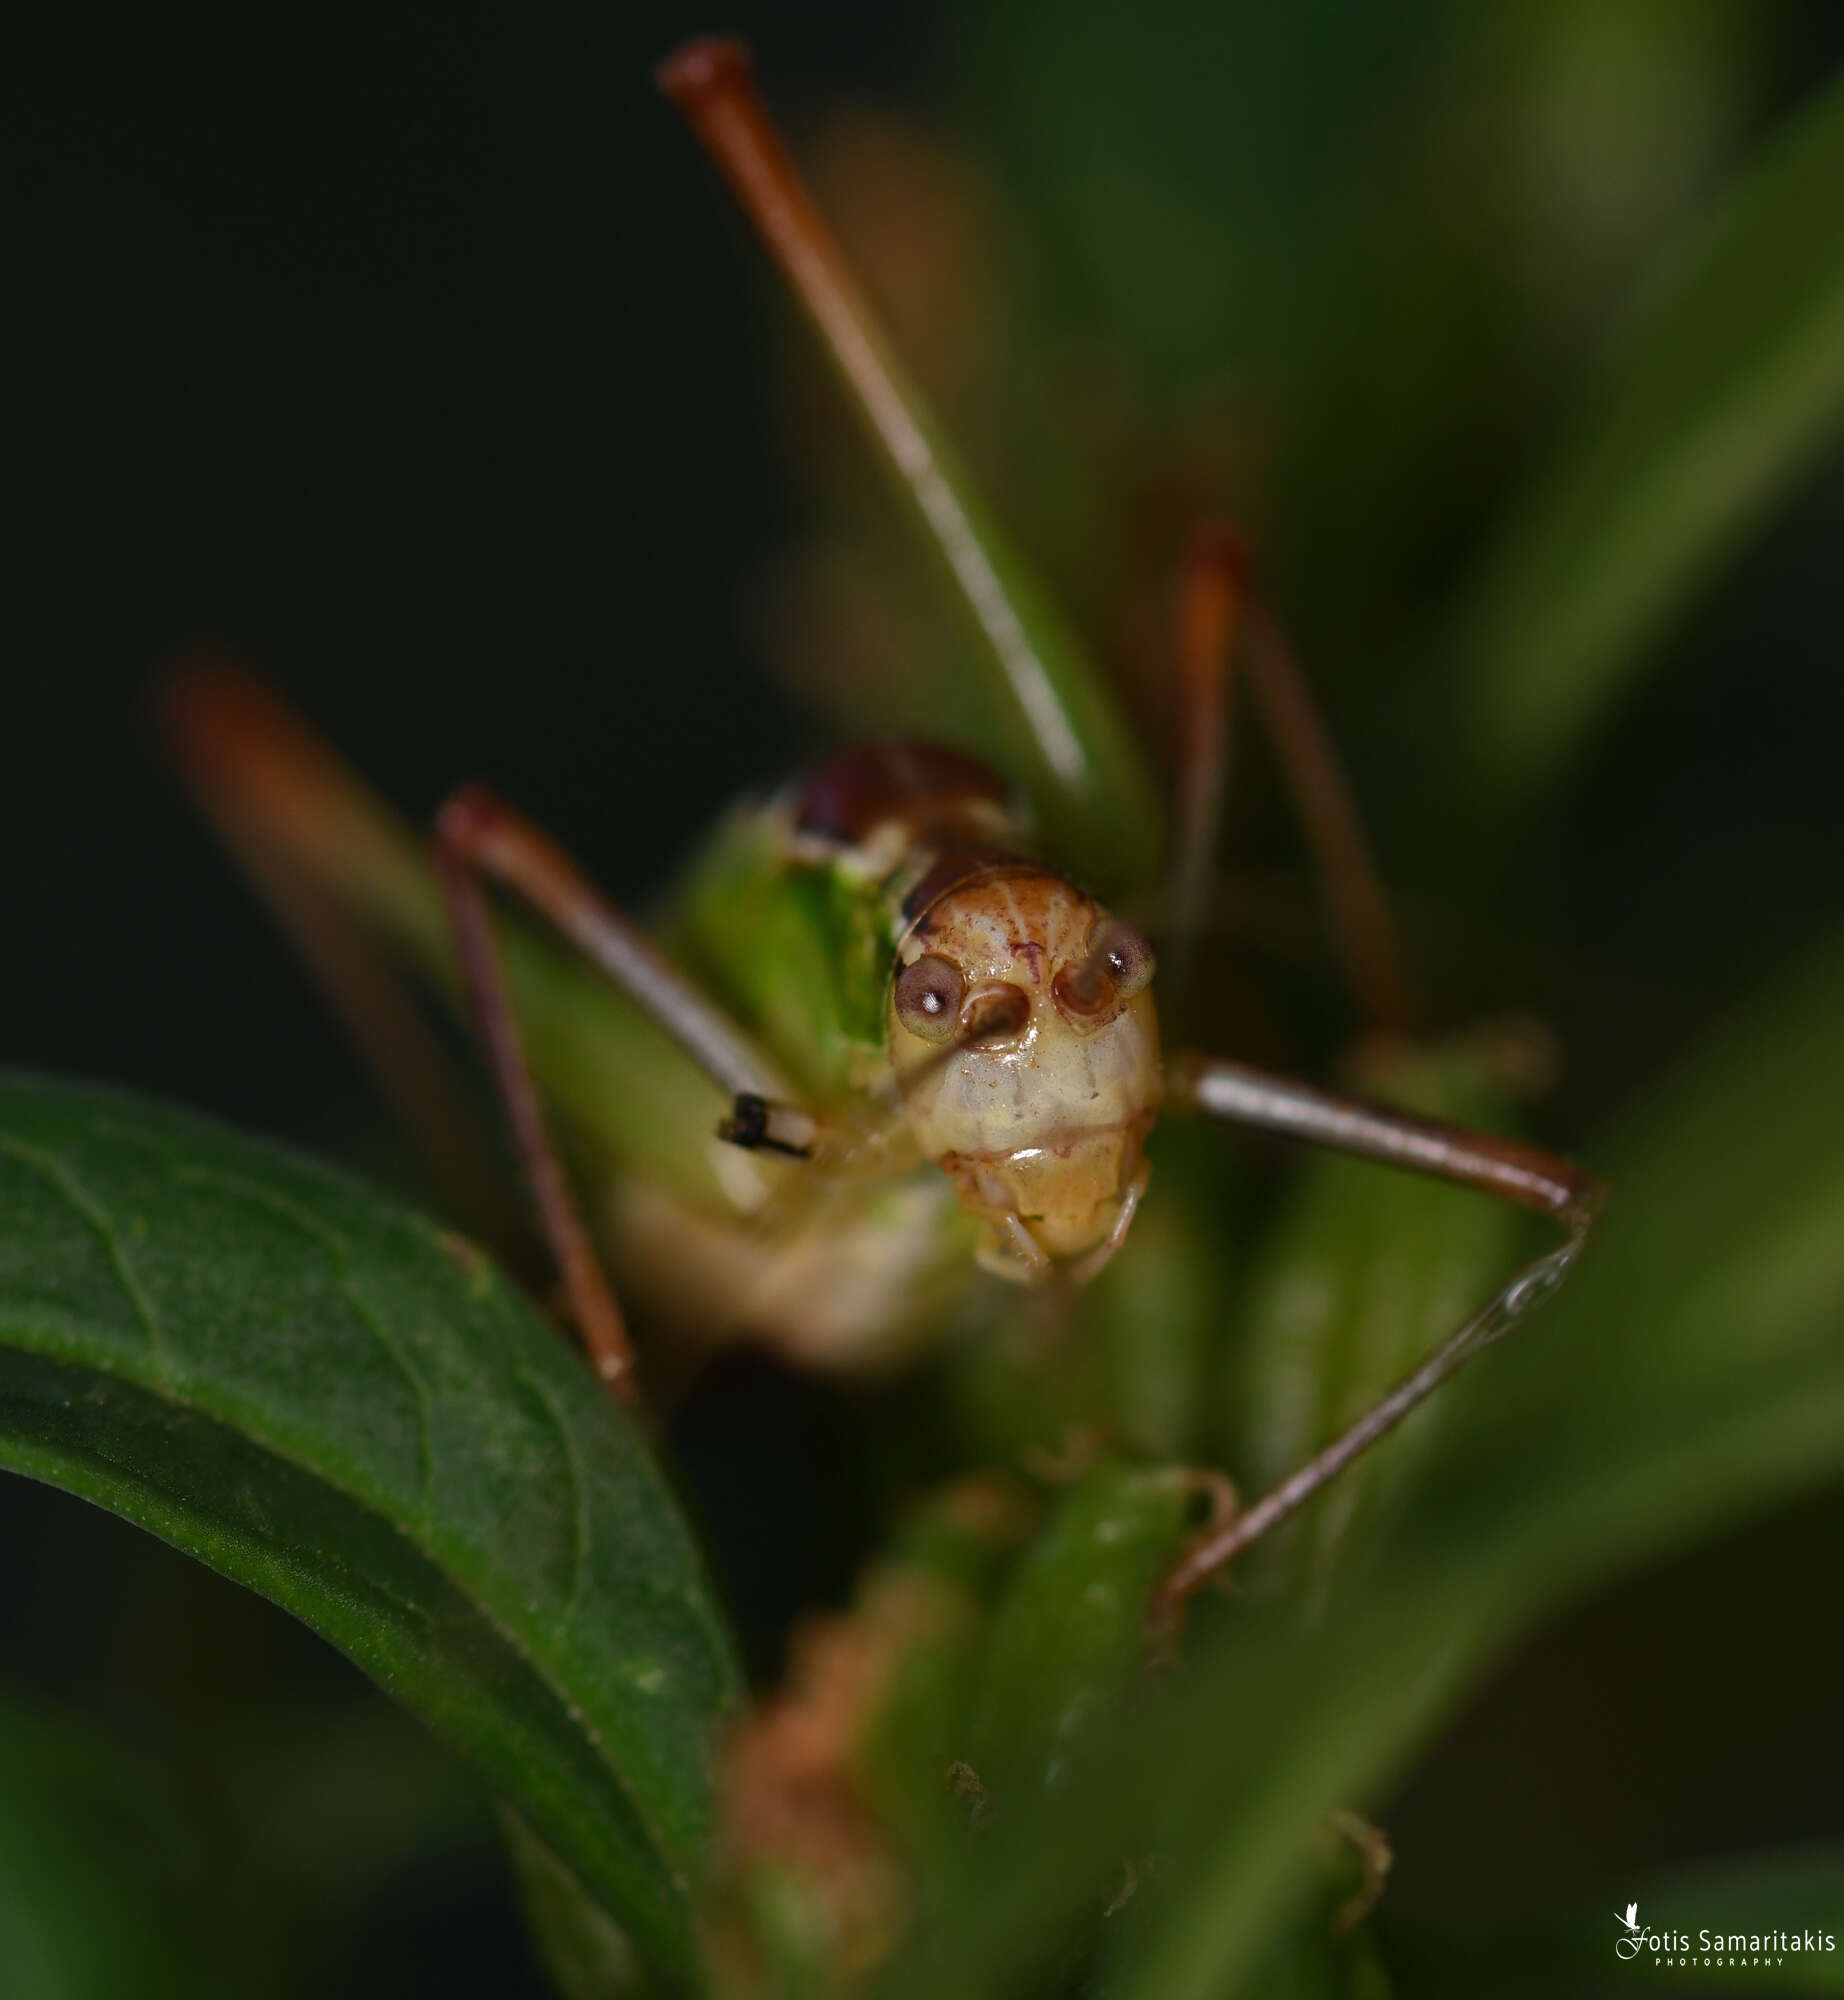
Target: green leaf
x=1730, y=383
x=86, y=1824
x=1068, y=1637
x=1691, y=1373
x=586, y=1953
x=337, y=1403
x=1363, y=1274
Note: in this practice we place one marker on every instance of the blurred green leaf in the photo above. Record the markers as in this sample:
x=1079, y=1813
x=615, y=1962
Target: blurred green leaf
x=582, y=1948
x=1729, y=384
x=1362, y=1275
x=1068, y=1637
x=342, y=1406
x=1692, y=1373
x=87, y=1826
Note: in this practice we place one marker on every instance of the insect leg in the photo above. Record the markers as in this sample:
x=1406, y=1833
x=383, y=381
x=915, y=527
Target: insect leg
x=477, y=833
x=1369, y=941
x=305, y=832
x=1225, y=633
x=1083, y=763
x=599, y=1322
x=1505, y=1168
x=1211, y=595
x=519, y=854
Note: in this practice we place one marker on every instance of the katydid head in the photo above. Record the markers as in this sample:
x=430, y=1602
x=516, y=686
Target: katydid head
x=1021, y=1030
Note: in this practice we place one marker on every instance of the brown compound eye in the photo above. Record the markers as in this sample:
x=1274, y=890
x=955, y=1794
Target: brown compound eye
x=928, y=998
x=1118, y=964
x=1122, y=948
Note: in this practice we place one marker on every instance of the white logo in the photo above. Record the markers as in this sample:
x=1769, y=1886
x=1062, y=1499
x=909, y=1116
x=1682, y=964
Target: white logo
x=1674, y=1947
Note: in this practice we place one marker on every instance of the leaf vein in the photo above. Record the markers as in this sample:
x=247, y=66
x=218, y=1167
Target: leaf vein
x=334, y=1243
x=58, y=1175
x=579, y=1493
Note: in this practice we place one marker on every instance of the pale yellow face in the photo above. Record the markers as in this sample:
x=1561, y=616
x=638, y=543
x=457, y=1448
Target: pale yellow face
x=1041, y=1119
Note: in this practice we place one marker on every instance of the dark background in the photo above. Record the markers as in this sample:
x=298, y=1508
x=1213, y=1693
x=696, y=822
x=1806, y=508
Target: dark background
x=414, y=352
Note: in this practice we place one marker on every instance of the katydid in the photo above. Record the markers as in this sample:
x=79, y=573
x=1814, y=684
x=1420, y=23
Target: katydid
x=929, y=1046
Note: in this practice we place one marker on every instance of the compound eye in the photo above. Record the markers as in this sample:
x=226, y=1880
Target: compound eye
x=1121, y=948
x=1117, y=965
x=928, y=998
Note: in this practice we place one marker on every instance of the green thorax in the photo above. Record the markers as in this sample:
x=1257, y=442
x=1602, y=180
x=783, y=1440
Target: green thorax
x=791, y=915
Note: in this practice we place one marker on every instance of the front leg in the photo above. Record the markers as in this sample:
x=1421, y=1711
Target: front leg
x=478, y=834
x=1505, y=1168
x=461, y=847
